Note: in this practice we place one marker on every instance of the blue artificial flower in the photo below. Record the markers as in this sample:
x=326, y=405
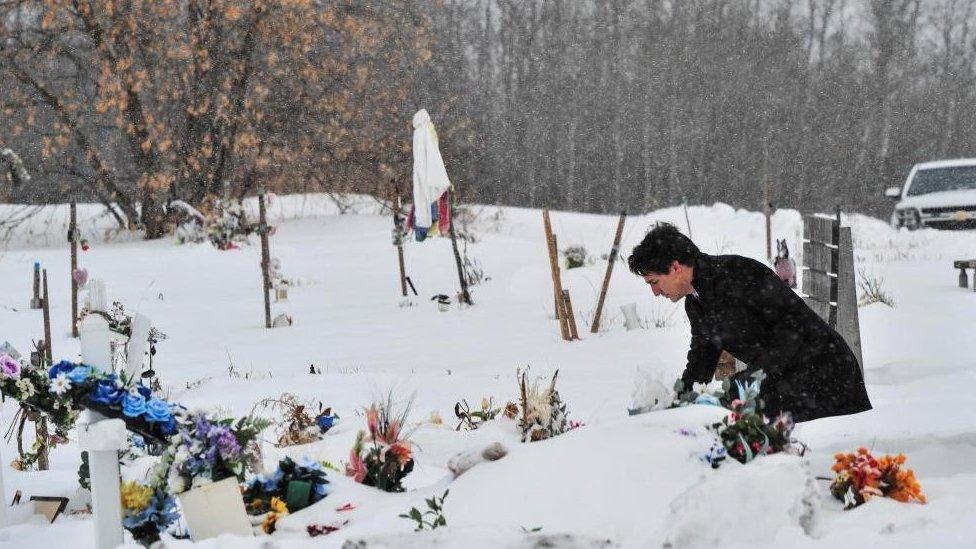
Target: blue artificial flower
x=157, y=411
x=270, y=484
x=146, y=392
x=106, y=392
x=133, y=405
x=325, y=422
x=62, y=367
x=168, y=427
x=138, y=441
x=708, y=399
x=309, y=463
x=320, y=490
x=80, y=373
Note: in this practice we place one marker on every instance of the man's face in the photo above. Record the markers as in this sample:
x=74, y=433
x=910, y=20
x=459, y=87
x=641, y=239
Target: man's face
x=673, y=285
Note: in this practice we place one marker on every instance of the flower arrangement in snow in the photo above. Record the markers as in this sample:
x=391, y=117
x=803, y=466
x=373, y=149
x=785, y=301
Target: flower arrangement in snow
x=382, y=457
x=295, y=424
x=206, y=450
x=861, y=476
x=576, y=256
x=704, y=393
x=32, y=387
x=294, y=486
x=82, y=386
x=146, y=511
x=747, y=433
x=543, y=412
x=471, y=420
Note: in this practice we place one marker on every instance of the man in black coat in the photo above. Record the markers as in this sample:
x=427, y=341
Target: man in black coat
x=740, y=305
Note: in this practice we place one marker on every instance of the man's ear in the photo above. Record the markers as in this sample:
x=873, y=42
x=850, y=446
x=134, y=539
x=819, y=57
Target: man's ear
x=675, y=266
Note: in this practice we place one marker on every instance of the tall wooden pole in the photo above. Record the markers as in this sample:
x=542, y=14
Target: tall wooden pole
x=767, y=211
x=265, y=258
x=465, y=296
x=398, y=232
x=556, y=282
x=36, y=299
x=47, y=321
x=606, y=279
x=73, y=239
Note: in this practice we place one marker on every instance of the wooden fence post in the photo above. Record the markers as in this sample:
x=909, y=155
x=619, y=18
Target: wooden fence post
x=47, y=321
x=557, y=285
x=265, y=257
x=35, y=302
x=73, y=240
x=614, y=250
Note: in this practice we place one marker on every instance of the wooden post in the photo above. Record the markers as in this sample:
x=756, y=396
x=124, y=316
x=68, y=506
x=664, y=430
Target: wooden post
x=73, y=240
x=465, y=297
x=265, y=257
x=614, y=250
x=570, y=316
x=41, y=434
x=767, y=211
x=557, y=298
x=398, y=237
x=556, y=282
x=47, y=322
x=36, y=299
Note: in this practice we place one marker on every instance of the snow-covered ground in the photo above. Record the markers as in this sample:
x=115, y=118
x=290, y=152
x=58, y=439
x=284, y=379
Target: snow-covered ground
x=618, y=480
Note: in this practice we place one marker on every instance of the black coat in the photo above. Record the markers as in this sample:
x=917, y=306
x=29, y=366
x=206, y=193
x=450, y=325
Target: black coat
x=745, y=309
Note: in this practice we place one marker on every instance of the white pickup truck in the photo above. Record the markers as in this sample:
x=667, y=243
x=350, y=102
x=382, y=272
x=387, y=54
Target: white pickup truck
x=940, y=195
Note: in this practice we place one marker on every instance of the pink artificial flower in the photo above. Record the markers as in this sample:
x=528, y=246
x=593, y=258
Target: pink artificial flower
x=355, y=468
x=736, y=404
x=372, y=420
x=739, y=448
x=9, y=367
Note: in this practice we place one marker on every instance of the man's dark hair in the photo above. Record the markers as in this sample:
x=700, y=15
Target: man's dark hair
x=662, y=245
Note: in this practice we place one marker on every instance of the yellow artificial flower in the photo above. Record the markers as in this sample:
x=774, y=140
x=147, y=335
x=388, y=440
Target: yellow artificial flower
x=135, y=496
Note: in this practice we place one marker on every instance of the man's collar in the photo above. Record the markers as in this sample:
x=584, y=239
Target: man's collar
x=702, y=277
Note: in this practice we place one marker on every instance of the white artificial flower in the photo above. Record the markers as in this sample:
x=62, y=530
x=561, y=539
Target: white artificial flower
x=60, y=385
x=26, y=388
x=700, y=388
x=201, y=480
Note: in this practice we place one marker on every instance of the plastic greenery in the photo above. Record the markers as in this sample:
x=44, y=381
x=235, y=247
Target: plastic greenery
x=432, y=517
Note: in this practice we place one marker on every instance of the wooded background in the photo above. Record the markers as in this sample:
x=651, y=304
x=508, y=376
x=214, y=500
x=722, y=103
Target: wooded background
x=601, y=106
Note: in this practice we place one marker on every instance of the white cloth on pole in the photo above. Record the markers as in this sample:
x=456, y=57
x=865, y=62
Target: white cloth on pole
x=430, y=179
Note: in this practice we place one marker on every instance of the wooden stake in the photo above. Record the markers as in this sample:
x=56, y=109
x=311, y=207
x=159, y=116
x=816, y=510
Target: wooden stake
x=265, y=258
x=398, y=228
x=767, y=211
x=36, y=300
x=47, y=321
x=40, y=433
x=465, y=297
x=556, y=282
x=606, y=279
x=570, y=316
x=73, y=239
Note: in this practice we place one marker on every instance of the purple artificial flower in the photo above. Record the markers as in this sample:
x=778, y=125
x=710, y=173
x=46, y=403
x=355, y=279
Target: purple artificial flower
x=9, y=367
x=227, y=444
x=202, y=426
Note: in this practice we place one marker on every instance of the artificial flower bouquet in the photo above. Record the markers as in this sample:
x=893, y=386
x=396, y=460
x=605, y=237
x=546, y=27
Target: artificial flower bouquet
x=383, y=457
x=292, y=487
x=860, y=476
x=747, y=433
x=206, y=450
